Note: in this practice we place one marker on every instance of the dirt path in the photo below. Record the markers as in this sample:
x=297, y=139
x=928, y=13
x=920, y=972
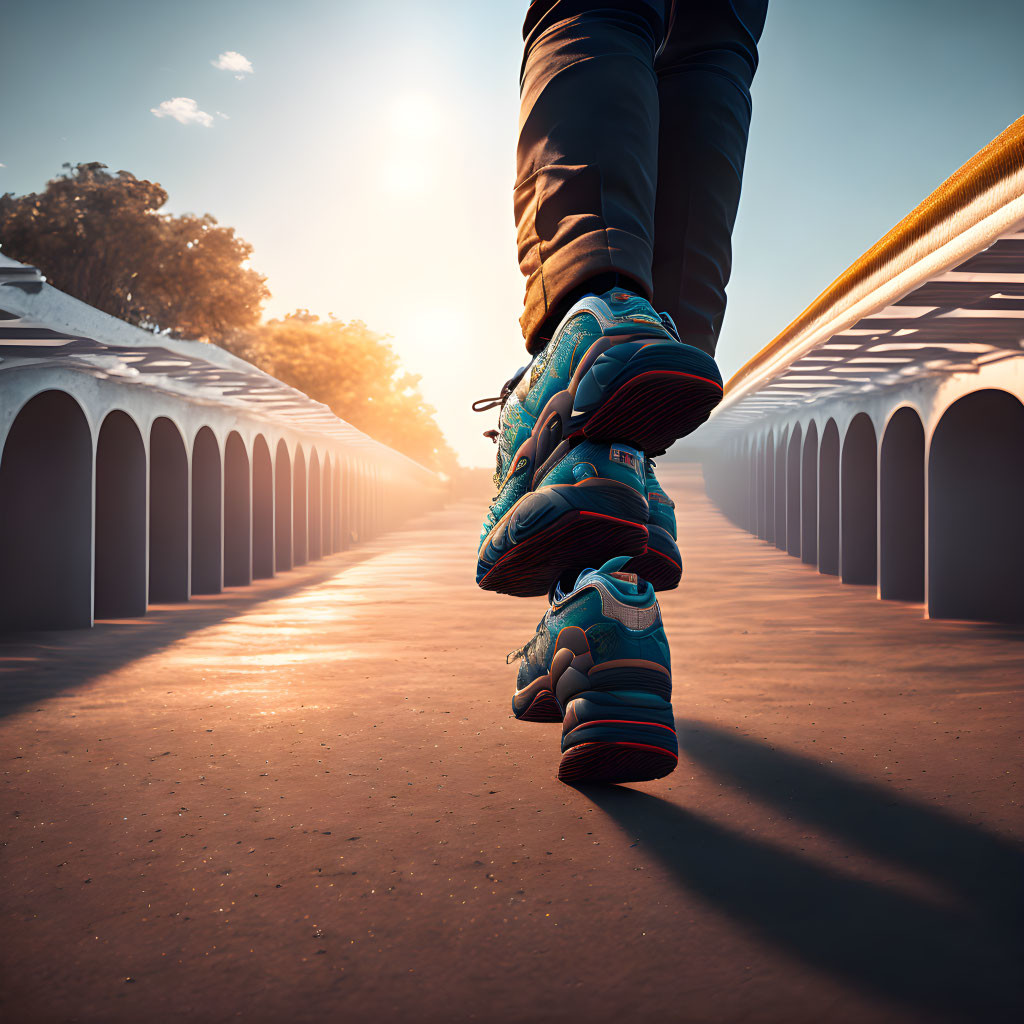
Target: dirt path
x=308, y=801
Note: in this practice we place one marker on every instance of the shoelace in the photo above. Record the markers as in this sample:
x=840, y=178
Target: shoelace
x=651, y=464
x=521, y=652
x=498, y=401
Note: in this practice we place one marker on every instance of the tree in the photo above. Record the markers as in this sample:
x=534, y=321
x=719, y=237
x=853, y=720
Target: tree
x=100, y=237
x=355, y=372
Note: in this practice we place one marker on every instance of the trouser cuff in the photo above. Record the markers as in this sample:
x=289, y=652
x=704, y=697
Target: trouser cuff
x=556, y=277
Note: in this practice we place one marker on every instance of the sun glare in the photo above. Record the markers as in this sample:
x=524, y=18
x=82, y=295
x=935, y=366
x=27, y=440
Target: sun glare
x=415, y=117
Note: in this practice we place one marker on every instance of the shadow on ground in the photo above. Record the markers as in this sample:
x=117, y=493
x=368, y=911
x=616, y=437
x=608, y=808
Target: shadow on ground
x=38, y=665
x=957, y=956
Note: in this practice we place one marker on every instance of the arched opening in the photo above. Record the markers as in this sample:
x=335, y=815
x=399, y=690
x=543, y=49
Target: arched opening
x=339, y=541
x=262, y=510
x=359, y=503
x=315, y=507
x=828, y=501
x=283, y=508
x=901, y=507
x=300, y=540
x=347, y=505
x=371, y=502
x=207, y=515
x=753, y=506
x=120, y=574
x=793, y=505
x=809, y=498
x=859, y=497
x=326, y=524
x=780, y=490
x=378, y=501
x=759, y=486
x=769, y=489
x=168, y=513
x=750, y=487
x=367, y=532
x=975, y=504
x=237, y=513
x=46, y=517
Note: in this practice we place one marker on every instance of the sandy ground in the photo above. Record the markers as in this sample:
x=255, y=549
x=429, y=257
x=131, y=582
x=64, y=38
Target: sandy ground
x=307, y=801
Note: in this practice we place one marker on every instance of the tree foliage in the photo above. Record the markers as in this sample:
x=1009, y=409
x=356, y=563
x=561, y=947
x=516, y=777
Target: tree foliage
x=355, y=372
x=99, y=236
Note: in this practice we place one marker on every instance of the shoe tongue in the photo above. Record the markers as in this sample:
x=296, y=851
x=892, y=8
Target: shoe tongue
x=628, y=581
x=613, y=565
x=625, y=302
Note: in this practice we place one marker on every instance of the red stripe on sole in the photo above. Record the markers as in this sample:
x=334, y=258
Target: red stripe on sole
x=615, y=762
x=654, y=409
x=543, y=708
x=618, y=721
x=659, y=570
x=575, y=539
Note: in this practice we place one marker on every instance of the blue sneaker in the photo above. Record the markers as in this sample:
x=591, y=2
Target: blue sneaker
x=599, y=663
x=590, y=501
x=613, y=363
x=661, y=564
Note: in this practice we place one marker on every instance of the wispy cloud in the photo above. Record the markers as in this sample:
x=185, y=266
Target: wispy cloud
x=232, y=60
x=183, y=110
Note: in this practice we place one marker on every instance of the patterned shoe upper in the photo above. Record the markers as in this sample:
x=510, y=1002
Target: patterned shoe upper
x=662, y=507
x=616, y=313
x=618, y=612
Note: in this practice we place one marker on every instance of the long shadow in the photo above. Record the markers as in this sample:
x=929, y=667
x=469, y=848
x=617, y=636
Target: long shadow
x=36, y=666
x=954, y=960
x=985, y=868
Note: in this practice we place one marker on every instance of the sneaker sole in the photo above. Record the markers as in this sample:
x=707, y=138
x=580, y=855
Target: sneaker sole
x=654, y=409
x=543, y=708
x=615, y=762
x=656, y=564
x=575, y=539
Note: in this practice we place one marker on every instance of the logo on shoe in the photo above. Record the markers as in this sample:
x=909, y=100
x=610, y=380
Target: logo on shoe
x=626, y=456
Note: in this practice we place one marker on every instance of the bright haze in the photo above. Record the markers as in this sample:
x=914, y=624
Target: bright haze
x=367, y=149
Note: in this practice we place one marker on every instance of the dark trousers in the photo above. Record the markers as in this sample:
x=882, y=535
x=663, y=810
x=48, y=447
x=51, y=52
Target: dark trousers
x=632, y=135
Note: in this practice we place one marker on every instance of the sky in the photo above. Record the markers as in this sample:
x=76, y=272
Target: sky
x=367, y=149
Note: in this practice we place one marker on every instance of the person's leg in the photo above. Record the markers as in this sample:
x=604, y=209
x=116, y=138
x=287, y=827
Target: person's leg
x=587, y=154
x=704, y=71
